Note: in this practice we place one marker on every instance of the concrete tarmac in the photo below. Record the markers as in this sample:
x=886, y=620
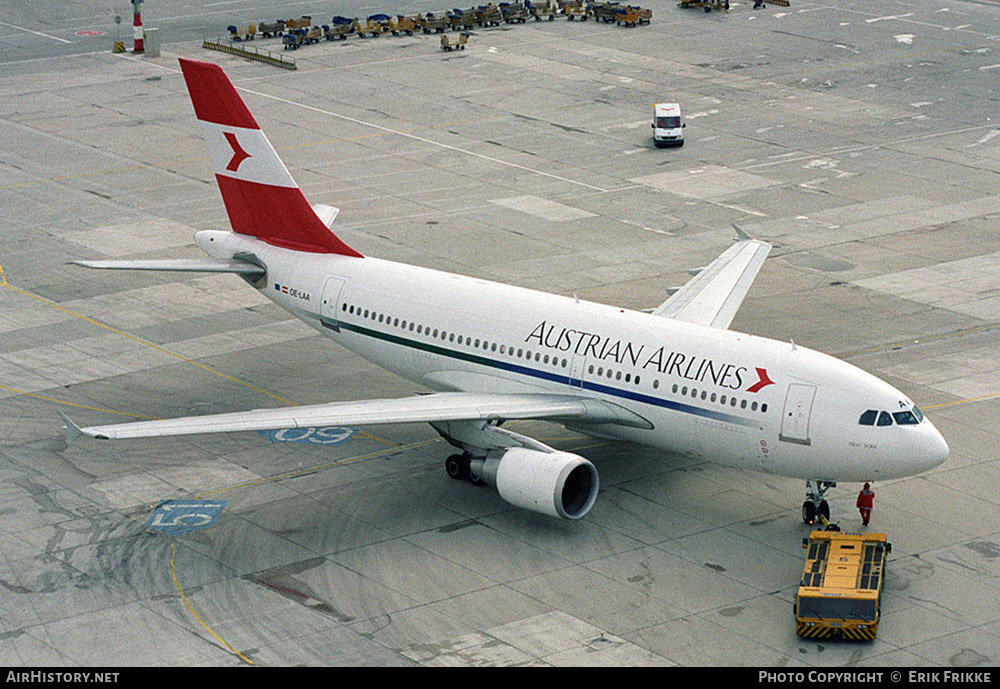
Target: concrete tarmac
x=859, y=138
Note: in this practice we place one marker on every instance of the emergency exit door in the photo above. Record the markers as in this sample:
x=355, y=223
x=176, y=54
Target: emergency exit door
x=798, y=409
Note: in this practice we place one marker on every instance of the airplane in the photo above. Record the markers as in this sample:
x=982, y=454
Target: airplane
x=675, y=378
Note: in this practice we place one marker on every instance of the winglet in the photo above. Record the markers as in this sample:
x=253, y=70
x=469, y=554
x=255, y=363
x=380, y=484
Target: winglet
x=743, y=235
x=72, y=430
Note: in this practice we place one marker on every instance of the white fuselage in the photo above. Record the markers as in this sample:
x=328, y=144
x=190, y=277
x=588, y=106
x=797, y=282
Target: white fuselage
x=716, y=394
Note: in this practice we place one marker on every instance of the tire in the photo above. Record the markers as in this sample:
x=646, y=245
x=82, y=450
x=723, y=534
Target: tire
x=457, y=467
x=809, y=512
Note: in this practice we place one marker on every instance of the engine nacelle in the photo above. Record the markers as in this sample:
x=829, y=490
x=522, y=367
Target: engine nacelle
x=559, y=484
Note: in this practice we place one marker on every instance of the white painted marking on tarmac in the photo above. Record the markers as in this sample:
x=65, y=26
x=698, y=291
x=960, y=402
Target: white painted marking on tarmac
x=37, y=33
x=887, y=17
x=984, y=138
x=906, y=38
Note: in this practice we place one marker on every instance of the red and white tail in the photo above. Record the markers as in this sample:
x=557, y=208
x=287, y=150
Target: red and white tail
x=261, y=197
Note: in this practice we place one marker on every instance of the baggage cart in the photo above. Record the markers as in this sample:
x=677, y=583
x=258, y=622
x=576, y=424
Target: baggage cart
x=488, y=15
x=458, y=43
x=340, y=28
x=271, y=29
x=245, y=32
x=401, y=24
x=432, y=23
x=303, y=22
x=460, y=20
x=542, y=9
x=514, y=12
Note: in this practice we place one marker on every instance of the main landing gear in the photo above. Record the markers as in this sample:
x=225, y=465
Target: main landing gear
x=815, y=505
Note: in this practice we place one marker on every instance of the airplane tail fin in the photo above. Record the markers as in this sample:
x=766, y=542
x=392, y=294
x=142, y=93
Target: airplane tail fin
x=260, y=195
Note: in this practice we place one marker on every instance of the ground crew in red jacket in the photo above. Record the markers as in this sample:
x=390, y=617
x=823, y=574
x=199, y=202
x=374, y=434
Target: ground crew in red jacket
x=866, y=498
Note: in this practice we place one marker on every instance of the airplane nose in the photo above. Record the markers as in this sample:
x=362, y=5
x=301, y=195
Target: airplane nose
x=934, y=449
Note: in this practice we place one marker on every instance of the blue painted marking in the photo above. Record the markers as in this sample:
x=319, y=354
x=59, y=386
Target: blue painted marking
x=330, y=435
x=179, y=517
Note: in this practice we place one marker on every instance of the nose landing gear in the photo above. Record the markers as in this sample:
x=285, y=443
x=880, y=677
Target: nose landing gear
x=815, y=504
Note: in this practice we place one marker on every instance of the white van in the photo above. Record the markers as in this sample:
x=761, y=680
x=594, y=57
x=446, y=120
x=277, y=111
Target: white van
x=667, y=125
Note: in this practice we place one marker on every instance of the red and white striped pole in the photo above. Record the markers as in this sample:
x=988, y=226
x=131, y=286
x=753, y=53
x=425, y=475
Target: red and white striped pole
x=138, y=45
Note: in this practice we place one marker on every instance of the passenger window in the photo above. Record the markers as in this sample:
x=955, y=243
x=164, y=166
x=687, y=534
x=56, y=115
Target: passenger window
x=884, y=419
x=868, y=418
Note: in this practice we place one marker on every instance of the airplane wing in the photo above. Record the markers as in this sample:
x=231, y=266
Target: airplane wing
x=714, y=296
x=445, y=406
x=194, y=265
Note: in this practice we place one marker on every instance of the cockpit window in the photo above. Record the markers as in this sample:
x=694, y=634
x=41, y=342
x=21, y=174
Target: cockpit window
x=874, y=417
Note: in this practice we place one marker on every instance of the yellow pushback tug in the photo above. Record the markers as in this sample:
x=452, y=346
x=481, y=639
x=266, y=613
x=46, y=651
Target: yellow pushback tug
x=840, y=594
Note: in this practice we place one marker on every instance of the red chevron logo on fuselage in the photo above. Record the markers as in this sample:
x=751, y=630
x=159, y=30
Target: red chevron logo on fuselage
x=762, y=382
x=239, y=155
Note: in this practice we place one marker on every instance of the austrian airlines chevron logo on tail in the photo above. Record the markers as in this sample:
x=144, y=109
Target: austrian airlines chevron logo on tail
x=762, y=382
x=239, y=155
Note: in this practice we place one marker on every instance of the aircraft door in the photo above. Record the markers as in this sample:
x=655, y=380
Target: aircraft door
x=330, y=311
x=798, y=409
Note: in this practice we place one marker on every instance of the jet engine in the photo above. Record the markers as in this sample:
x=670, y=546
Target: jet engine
x=559, y=484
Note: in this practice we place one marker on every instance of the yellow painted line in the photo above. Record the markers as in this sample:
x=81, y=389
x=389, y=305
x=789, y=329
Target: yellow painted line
x=177, y=585
x=922, y=340
x=74, y=404
x=4, y=283
x=126, y=335
x=263, y=481
x=981, y=398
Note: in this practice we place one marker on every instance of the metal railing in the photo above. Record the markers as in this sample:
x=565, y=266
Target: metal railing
x=250, y=53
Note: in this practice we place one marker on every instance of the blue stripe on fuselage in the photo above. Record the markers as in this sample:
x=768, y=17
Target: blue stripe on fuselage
x=575, y=383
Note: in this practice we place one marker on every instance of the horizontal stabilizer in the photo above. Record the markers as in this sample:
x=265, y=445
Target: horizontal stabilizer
x=326, y=213
x=445, y=406
x=193, y=265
